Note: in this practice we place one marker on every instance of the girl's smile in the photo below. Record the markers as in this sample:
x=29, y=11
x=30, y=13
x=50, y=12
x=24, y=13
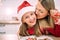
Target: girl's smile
x=29, y=18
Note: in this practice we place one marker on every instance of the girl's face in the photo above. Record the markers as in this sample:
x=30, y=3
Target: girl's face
x=29, y=18
x=41, y=12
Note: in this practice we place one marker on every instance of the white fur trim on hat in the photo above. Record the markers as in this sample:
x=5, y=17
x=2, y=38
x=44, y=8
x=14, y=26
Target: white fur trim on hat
x=24, y=10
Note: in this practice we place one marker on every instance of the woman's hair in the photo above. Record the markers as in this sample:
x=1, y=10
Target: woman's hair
x=48, y=5
x=23, y=30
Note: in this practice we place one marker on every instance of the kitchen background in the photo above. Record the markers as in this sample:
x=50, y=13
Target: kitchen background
x=8, y=12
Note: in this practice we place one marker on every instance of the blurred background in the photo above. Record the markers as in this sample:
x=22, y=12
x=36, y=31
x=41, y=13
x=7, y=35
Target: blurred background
x=8, y=23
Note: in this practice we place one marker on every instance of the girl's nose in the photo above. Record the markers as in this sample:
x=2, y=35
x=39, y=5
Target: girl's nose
x=31, y=18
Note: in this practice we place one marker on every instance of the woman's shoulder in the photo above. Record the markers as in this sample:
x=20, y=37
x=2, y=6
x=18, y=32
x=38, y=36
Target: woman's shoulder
x=57, y=26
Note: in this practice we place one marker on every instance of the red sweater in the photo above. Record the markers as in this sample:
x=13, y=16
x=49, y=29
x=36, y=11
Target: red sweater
x=56, y=31
x=31, y=31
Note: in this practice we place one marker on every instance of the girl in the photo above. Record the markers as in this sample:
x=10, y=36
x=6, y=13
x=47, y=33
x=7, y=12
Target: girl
x=28, y=20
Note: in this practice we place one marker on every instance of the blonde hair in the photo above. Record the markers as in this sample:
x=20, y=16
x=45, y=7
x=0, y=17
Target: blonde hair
x=48, y=5
x=23, y=30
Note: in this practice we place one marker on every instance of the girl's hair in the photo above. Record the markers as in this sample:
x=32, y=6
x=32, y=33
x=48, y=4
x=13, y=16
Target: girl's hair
x=23, y=30
x=48, y=5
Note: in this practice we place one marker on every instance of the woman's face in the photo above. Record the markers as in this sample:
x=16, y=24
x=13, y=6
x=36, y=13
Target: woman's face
x=29, y=18
x=41, y=12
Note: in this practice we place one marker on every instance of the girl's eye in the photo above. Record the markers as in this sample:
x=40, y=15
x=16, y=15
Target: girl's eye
x=39, y=10
x=26, y=17
x=32, y=13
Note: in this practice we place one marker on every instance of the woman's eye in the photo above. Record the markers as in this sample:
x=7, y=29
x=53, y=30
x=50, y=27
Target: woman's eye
x=41, y=11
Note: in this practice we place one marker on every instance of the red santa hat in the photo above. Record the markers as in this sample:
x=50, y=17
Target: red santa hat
x=24, y=4
x=24, y=10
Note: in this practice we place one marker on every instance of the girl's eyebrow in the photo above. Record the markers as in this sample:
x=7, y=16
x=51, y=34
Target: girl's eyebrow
x=37, y=8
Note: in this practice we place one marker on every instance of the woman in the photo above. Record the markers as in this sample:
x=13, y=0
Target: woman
x=43, y=15
x=56, y=16
x=45, y=18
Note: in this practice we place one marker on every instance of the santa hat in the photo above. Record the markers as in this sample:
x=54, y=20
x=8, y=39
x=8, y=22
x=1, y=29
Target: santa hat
x=24, y=4
x=24, y=10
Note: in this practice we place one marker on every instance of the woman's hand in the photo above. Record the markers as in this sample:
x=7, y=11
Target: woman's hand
x=55, y=14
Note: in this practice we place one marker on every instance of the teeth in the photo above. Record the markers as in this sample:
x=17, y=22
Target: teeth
x=31, y=21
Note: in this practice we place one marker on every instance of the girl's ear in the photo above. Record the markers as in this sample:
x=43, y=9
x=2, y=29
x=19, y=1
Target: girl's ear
x=23, y=21
x=39, y=0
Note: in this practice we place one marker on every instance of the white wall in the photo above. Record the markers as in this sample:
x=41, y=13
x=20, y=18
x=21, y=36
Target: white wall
x=6, y=15
x=10, y=4
x=57, y=4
